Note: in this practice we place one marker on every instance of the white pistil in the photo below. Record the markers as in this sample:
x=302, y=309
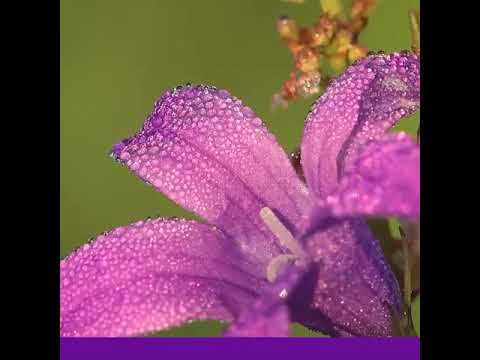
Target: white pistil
x=277, y=263
x=281, y=232
x=285, y=238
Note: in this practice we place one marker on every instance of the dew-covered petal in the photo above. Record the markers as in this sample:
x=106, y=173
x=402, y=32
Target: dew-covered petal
x=153, y=275
x=356, y=290
x=360, y=105
x=264, y=319
x=383, y=181
x=210, y=153
x=269, y=314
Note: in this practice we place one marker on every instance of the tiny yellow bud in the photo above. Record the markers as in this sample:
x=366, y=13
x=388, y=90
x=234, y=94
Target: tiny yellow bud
x=331, y=7
x=341, y=43
x=343, y=38
x=323, y=31
x=307, y=61
x=338, y=62
x=356, y=52
x=287, y=28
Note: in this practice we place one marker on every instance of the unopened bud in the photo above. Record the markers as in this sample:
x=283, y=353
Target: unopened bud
x=295, y=47
x=287, y=28
x=307, y=60
x=289, y=88
x=343, y=40
x=309, y=84
x=324, y=29
x=331, y=7
x=356, y=52
x=338, y=62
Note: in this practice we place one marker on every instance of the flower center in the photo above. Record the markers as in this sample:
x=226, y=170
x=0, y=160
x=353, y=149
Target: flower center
x=286, y=239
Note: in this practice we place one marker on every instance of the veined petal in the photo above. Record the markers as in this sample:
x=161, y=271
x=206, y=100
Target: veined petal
x=356, y=289
x=152, y=275
x=383, y=181
x=210, y=153
x=360, y=105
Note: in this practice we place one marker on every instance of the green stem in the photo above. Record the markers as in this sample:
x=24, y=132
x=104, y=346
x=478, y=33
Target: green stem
x=407, y=321
x=414, y=19
x=407, y=281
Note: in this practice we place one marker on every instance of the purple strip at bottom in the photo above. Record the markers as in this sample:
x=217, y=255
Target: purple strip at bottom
x=239, y=348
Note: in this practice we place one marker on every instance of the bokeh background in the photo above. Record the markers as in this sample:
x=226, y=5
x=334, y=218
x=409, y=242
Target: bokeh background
x=117, y=57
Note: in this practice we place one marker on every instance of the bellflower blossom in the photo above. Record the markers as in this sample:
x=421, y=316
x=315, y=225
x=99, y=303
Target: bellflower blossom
x=272, y=249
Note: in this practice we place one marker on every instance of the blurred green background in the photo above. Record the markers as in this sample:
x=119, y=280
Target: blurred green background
x=118, y=56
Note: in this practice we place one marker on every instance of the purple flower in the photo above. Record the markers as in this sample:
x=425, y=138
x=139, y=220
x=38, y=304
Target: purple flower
x=273, y=249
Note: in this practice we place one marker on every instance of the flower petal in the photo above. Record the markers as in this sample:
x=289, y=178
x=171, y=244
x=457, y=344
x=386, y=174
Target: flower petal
x=355, y=288
x=383, y=181
x=360, y=105
x=265, y=318
x=152, y=275
x=269, y=314
x=208, y=152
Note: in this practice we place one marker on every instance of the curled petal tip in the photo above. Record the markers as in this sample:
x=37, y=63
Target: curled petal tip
x=362, y=104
